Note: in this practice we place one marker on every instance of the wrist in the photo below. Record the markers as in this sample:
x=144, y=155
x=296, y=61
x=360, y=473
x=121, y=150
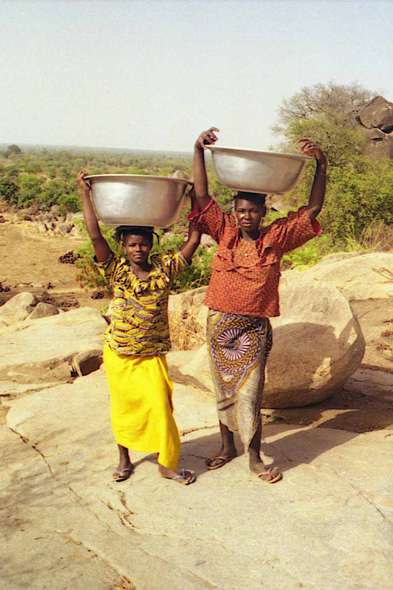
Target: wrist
x=322, y=162
x=321, y=169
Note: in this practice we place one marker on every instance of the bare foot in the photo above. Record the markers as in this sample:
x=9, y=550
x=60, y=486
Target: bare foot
x=183, y=476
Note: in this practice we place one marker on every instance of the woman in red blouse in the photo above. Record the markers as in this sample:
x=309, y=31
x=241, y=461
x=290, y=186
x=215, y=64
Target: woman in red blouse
x=243, y=295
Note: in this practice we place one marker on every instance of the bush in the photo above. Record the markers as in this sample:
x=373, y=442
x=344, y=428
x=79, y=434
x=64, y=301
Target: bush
x=8, y=190
x=30, y=189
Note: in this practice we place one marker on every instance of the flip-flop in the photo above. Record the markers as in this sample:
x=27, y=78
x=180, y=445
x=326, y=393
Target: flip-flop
x=190, y=479
x=271, y=473
x=224, y=461
x=123, y=475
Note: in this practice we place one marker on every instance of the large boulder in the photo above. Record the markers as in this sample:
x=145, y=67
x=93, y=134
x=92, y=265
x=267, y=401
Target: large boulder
x=17, y=308
x=43, y=310
x=358, y=276
x=41, y=350
x=376, y=119
x=317, y=346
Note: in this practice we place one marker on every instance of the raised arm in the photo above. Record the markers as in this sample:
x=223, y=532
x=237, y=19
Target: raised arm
x=200, y=176
x=100, y=244
x=194, y=235
x=317, y=195
x=194, y=239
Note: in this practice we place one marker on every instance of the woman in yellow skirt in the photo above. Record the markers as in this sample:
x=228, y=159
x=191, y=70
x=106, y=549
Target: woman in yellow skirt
x=137, y=340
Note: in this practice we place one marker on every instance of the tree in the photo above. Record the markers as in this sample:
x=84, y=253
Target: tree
x=12, y=149
x=326, y=113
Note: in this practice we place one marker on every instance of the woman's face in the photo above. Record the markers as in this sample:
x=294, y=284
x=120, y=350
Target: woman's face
x=249, y=214
x=137, y=248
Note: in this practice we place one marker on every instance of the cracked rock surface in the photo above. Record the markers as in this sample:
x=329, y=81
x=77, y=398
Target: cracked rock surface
x=327, y=524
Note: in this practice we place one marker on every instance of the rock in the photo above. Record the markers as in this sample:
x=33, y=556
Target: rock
x=207, y=241
x=63, y=228
x=276, y=203
x=76, y=231
x=317, y=346
x=377, y=120
x=372, y=383
x=74, y=217
x=87, y=362
x=357, y=276
x=42, y=228
x=9, y=388
x=187, y=319
x=17, y=308
x=376, y=322
x=2, y=324
x=55, y=211
x=69, y=526
x=34, y=348
x=42, y=310
x=191, y=368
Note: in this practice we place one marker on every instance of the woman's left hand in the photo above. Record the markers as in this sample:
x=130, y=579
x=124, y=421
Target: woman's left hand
x=311, y=148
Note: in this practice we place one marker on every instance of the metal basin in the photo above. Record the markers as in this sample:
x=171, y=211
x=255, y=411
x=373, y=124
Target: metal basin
x=131, y=199
x=257, y=172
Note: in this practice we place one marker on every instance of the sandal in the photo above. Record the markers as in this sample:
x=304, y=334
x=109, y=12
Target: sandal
x=189, y=478
x=122, y=475
x=270, y=476
x=224, y=461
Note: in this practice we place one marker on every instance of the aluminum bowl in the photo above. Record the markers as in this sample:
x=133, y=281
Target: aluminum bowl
x=130, y=199
x=257, y=172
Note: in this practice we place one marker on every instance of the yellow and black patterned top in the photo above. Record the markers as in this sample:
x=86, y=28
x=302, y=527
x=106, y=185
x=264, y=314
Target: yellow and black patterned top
x=139, y=323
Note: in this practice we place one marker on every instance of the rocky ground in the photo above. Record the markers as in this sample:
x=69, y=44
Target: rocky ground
x=327, y=524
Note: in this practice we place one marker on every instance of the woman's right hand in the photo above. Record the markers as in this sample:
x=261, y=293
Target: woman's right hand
x=81, y=182
x=207, y=138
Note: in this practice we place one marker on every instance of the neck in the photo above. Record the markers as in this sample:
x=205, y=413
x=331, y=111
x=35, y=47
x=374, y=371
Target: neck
x=140, y=268
x=250, y=236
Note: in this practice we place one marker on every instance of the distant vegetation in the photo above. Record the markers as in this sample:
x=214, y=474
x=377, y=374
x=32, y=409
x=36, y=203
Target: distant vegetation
x=358, y=212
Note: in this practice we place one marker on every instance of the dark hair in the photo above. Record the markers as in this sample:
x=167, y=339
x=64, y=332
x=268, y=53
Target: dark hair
x=257, y=198
x=124, y=230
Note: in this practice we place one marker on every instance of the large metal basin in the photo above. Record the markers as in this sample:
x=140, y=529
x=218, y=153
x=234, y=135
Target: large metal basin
x=131, y=199
x=257, y=172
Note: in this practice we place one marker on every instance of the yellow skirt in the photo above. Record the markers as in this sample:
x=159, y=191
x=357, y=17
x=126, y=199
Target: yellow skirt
x=141, y=405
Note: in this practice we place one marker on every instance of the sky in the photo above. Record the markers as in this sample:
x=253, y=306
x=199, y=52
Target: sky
x=154, y=74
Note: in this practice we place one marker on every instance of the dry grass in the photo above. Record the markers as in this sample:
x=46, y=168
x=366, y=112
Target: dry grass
x=377, y=237
x=187, y=322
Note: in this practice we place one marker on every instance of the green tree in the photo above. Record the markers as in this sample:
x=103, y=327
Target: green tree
x=13, y=149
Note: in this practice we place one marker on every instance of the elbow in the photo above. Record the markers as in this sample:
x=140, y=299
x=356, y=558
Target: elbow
x=314, y=211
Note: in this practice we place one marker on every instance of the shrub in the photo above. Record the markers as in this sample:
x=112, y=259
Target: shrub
x=8, y=190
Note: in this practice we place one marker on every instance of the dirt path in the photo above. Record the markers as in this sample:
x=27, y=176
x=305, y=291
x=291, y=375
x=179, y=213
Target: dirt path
x=29, y=262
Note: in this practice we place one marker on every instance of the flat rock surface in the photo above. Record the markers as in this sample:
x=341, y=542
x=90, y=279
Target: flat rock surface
x=54, y=340
x=357, y=275
x=327, y=524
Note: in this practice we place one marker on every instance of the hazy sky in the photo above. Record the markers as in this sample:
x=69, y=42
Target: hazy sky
x=153, y=74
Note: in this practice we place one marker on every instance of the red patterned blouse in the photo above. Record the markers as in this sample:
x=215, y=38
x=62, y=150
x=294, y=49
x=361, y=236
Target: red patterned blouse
x=246, y=275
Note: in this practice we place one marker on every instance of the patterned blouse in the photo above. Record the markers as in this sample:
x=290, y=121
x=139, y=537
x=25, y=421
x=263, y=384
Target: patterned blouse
x=246, y=275
x=139, y=323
